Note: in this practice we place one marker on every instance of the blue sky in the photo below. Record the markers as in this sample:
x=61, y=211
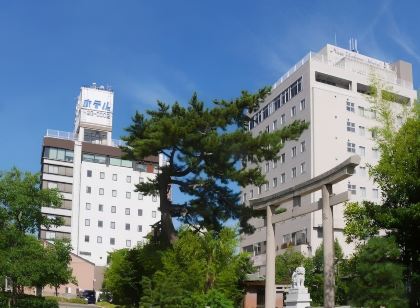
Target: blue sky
x=148, y=50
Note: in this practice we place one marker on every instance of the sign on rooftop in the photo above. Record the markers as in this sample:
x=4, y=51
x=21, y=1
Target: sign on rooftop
x=95, y=107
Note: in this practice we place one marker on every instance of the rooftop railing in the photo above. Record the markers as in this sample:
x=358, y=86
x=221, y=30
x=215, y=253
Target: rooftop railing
x=60, y=134
x=52, y=133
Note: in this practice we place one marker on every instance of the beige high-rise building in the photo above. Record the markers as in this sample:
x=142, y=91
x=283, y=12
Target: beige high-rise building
x=329, y=90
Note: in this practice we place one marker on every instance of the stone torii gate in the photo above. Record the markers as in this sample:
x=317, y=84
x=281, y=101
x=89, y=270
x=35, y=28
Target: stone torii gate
x=274, y=202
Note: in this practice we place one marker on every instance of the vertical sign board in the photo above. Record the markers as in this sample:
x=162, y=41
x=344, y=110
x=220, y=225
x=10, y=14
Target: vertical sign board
x=95, y=106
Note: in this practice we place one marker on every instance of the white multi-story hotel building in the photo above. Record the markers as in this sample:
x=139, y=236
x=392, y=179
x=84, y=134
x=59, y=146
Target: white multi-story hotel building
x=327, y=89
x=101, y=210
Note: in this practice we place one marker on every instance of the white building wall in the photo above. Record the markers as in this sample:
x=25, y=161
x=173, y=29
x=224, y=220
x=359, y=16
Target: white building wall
x=326, y=139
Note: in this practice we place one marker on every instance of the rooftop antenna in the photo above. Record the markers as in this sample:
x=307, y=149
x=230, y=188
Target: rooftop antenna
x=335, y=38
x=353, y=45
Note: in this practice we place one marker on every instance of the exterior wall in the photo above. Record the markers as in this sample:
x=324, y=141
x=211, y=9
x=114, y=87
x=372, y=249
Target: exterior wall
x=99, y=251
x=327, y=137
x=83, y=271
x=89, y=239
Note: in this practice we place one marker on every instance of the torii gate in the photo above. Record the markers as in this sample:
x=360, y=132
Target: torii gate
x=322, y=182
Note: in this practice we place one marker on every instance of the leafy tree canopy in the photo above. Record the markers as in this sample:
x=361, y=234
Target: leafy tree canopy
x=397, y=174
x=376, y=276
x=199, y=267
x=203, y=147
x=21, y=199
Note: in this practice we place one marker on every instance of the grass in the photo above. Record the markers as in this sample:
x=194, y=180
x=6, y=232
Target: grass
x=74, y=300
x=106, y=305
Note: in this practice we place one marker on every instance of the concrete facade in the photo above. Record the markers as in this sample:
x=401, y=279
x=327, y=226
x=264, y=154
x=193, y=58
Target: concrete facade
x=327, y=89
x=101, y=210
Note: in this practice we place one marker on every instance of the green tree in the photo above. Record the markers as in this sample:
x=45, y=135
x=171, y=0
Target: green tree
x=398, y=176
x=203, y=148
x=314, y=278
x=22, y=256
x=21, y=198
x=127, y=268
x=376, y=278
x=286, y=263
x=58, y=270
x=198, y=265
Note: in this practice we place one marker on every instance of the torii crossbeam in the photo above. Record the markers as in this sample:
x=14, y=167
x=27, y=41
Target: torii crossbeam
x=274, y=202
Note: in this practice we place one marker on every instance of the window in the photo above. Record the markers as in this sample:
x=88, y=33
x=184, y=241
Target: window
x=293, y=172
x=154, y=198
x=351, y=126
x=153, y=214
x=363, y=191
x=374, y=133
x=251, y=193
x=244, y=197
x=94, y=158
x=274, y=182
x=141, y=180
x=274, y=125
x=114, y=193
x=351, y=147
x=128, y=195
x=100, y=207
x=297, y=201
x=293, y=151
x=113, y=209
x=89, y=173
x=140, y=196
x=375, y=193
x=112, y=241
x=88, y=189
x=141, y=167
x=87, y=222
x=361, y=130
x=302, y=105
x=100, y=223
x=259, y=190
x=128, y=243
x=362, y=151
x=302, y=168
x=267, y=129
x=139, y=228
x=139, y=212
x=99, y=239
x=88, y=206
x=274, y=163
x=267, y=167
x=375, y=153
x=362, y=171
x=350, y=106
x=112, y=225
x=283, y=178
x=266, y=187
x=127, y=227
x=120, y=162
x=114, y=177
x=283, y=158
x=127, y=211
x=58, y=154
x=361, y=111
x=87, y=238
x=302, y=146
x=101, y=191
x=351, y=188
x=399, y=120
x=293, y=111
x=128, y=179
x=60, y=170
x=282, y=119
x=102, y=175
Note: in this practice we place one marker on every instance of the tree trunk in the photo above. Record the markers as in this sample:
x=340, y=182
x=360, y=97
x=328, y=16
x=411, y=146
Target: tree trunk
x=169, y=234
x=56, y=291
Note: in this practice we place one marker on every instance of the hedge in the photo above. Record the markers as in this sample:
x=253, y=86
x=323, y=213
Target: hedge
x=28, y=301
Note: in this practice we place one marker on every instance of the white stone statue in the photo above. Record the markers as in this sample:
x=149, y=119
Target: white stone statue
x=298, y=277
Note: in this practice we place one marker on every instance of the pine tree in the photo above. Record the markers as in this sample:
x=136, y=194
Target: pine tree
x=203, y=148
